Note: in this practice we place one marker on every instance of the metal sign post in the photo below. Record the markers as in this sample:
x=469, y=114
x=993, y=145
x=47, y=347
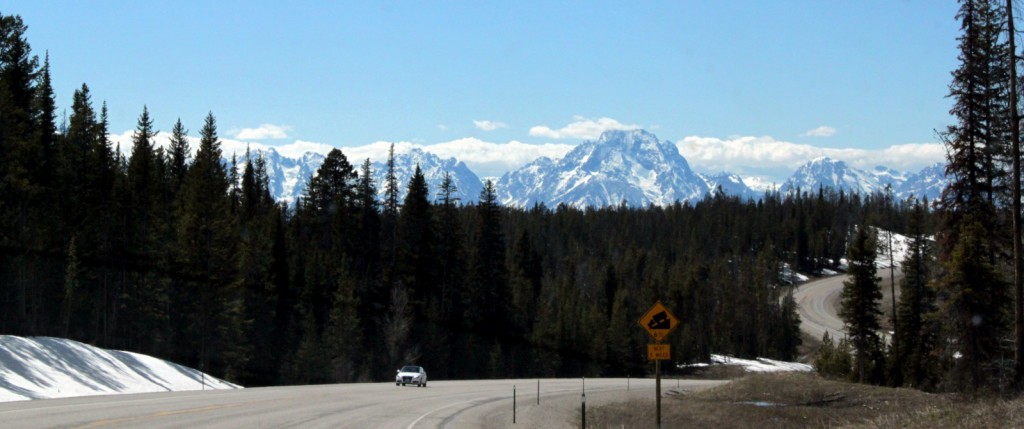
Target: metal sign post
x=657, y=390
x=658, y=322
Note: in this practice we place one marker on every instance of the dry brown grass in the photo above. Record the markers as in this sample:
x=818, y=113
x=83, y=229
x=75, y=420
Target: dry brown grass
x=808, y=401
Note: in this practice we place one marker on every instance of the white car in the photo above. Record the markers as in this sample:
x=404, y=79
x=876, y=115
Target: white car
x=411, y=374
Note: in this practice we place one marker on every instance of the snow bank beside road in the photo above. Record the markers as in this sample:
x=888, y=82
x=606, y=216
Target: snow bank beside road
x=43, y=367
x=756, y=365
x=761, y=364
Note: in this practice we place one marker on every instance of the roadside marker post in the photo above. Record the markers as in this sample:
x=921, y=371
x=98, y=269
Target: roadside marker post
x=583, y=410
x=658, y=322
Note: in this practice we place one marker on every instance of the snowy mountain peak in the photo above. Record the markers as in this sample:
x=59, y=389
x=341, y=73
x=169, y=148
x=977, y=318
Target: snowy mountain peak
x=928, y=182
x=631, y=167
x=729, y=184
x=834, y=174
x=468, y=185
x=825, y=172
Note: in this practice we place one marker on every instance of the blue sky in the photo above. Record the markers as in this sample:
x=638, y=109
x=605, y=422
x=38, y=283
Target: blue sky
x=782, y=79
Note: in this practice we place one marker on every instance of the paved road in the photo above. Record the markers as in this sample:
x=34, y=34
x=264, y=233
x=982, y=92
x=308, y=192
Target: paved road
x=444, y=404
x=818, y=303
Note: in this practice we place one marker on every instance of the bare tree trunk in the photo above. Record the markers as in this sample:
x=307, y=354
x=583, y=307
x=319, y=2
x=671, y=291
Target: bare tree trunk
x=1018, y=274
x=397, y=325
x=892, y=294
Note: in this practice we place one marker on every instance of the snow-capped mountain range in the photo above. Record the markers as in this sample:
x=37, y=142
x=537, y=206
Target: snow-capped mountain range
x=621, y=167
x=631, y=167
x=833, y=174
x=289, y=176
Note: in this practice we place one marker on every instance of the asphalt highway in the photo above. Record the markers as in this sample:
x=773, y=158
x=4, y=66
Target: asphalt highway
x=443, y=404
x=818, y=303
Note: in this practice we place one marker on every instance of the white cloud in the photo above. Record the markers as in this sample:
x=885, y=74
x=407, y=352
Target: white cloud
x=775, y=160
x=488, y=159
x=299, y=147
x=489, y=125
x=582, y=128
x=264, y=132
x=442, y=127
x=229, y=147
x=822, y=131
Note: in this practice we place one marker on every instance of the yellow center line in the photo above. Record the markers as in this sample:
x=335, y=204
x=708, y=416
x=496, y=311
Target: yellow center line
x=107, y=422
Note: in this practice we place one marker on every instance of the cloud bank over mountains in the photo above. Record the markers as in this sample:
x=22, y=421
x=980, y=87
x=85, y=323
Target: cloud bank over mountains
x=762, y=158
x=582, y=128
x=770, y=159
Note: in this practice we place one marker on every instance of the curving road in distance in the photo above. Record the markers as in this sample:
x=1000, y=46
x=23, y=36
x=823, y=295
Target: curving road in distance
x=818, y=306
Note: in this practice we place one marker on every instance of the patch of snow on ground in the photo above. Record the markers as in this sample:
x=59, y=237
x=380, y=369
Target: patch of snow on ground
x=899, y=248
x=758, y=365
x=44, y=367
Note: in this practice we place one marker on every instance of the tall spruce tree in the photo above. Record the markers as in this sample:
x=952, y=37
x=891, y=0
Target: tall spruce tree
x=417, y=263
x=972, y=292
x=488, y=313
x=372, y=293
x=917, y=301
x=212, y=312
x=859, y=305
x=179, y=155
x=255, y=258
x=451, y=275
x=1015, y=197
x=144, y=294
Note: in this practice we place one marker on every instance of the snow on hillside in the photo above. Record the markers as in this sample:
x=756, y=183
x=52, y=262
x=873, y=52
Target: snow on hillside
x=755, y=365
x=44, y=367
x=899, y=248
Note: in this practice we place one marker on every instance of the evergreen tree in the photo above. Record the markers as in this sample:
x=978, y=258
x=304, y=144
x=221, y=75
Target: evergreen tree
x=971, y=291
x=211, y=313
x=257, y=222
x=417, y=262
x=488, y=313
x=973, y=141
x=144, y=294
x=859, y=306
x=44, y=111
x=78, y=141
x=331, y=190
x=451, y=276
x=372, y=292
x=328, y=212
x=833, y=359
x=179, y=155
x=343, y=336
x=973, y=306
x=917, y=301
x=389, y=221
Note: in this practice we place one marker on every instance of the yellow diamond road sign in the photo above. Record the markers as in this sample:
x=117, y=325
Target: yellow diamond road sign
x=658, y=321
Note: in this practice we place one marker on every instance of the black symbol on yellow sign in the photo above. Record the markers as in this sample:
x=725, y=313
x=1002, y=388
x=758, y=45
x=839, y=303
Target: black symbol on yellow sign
x=658, y=321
